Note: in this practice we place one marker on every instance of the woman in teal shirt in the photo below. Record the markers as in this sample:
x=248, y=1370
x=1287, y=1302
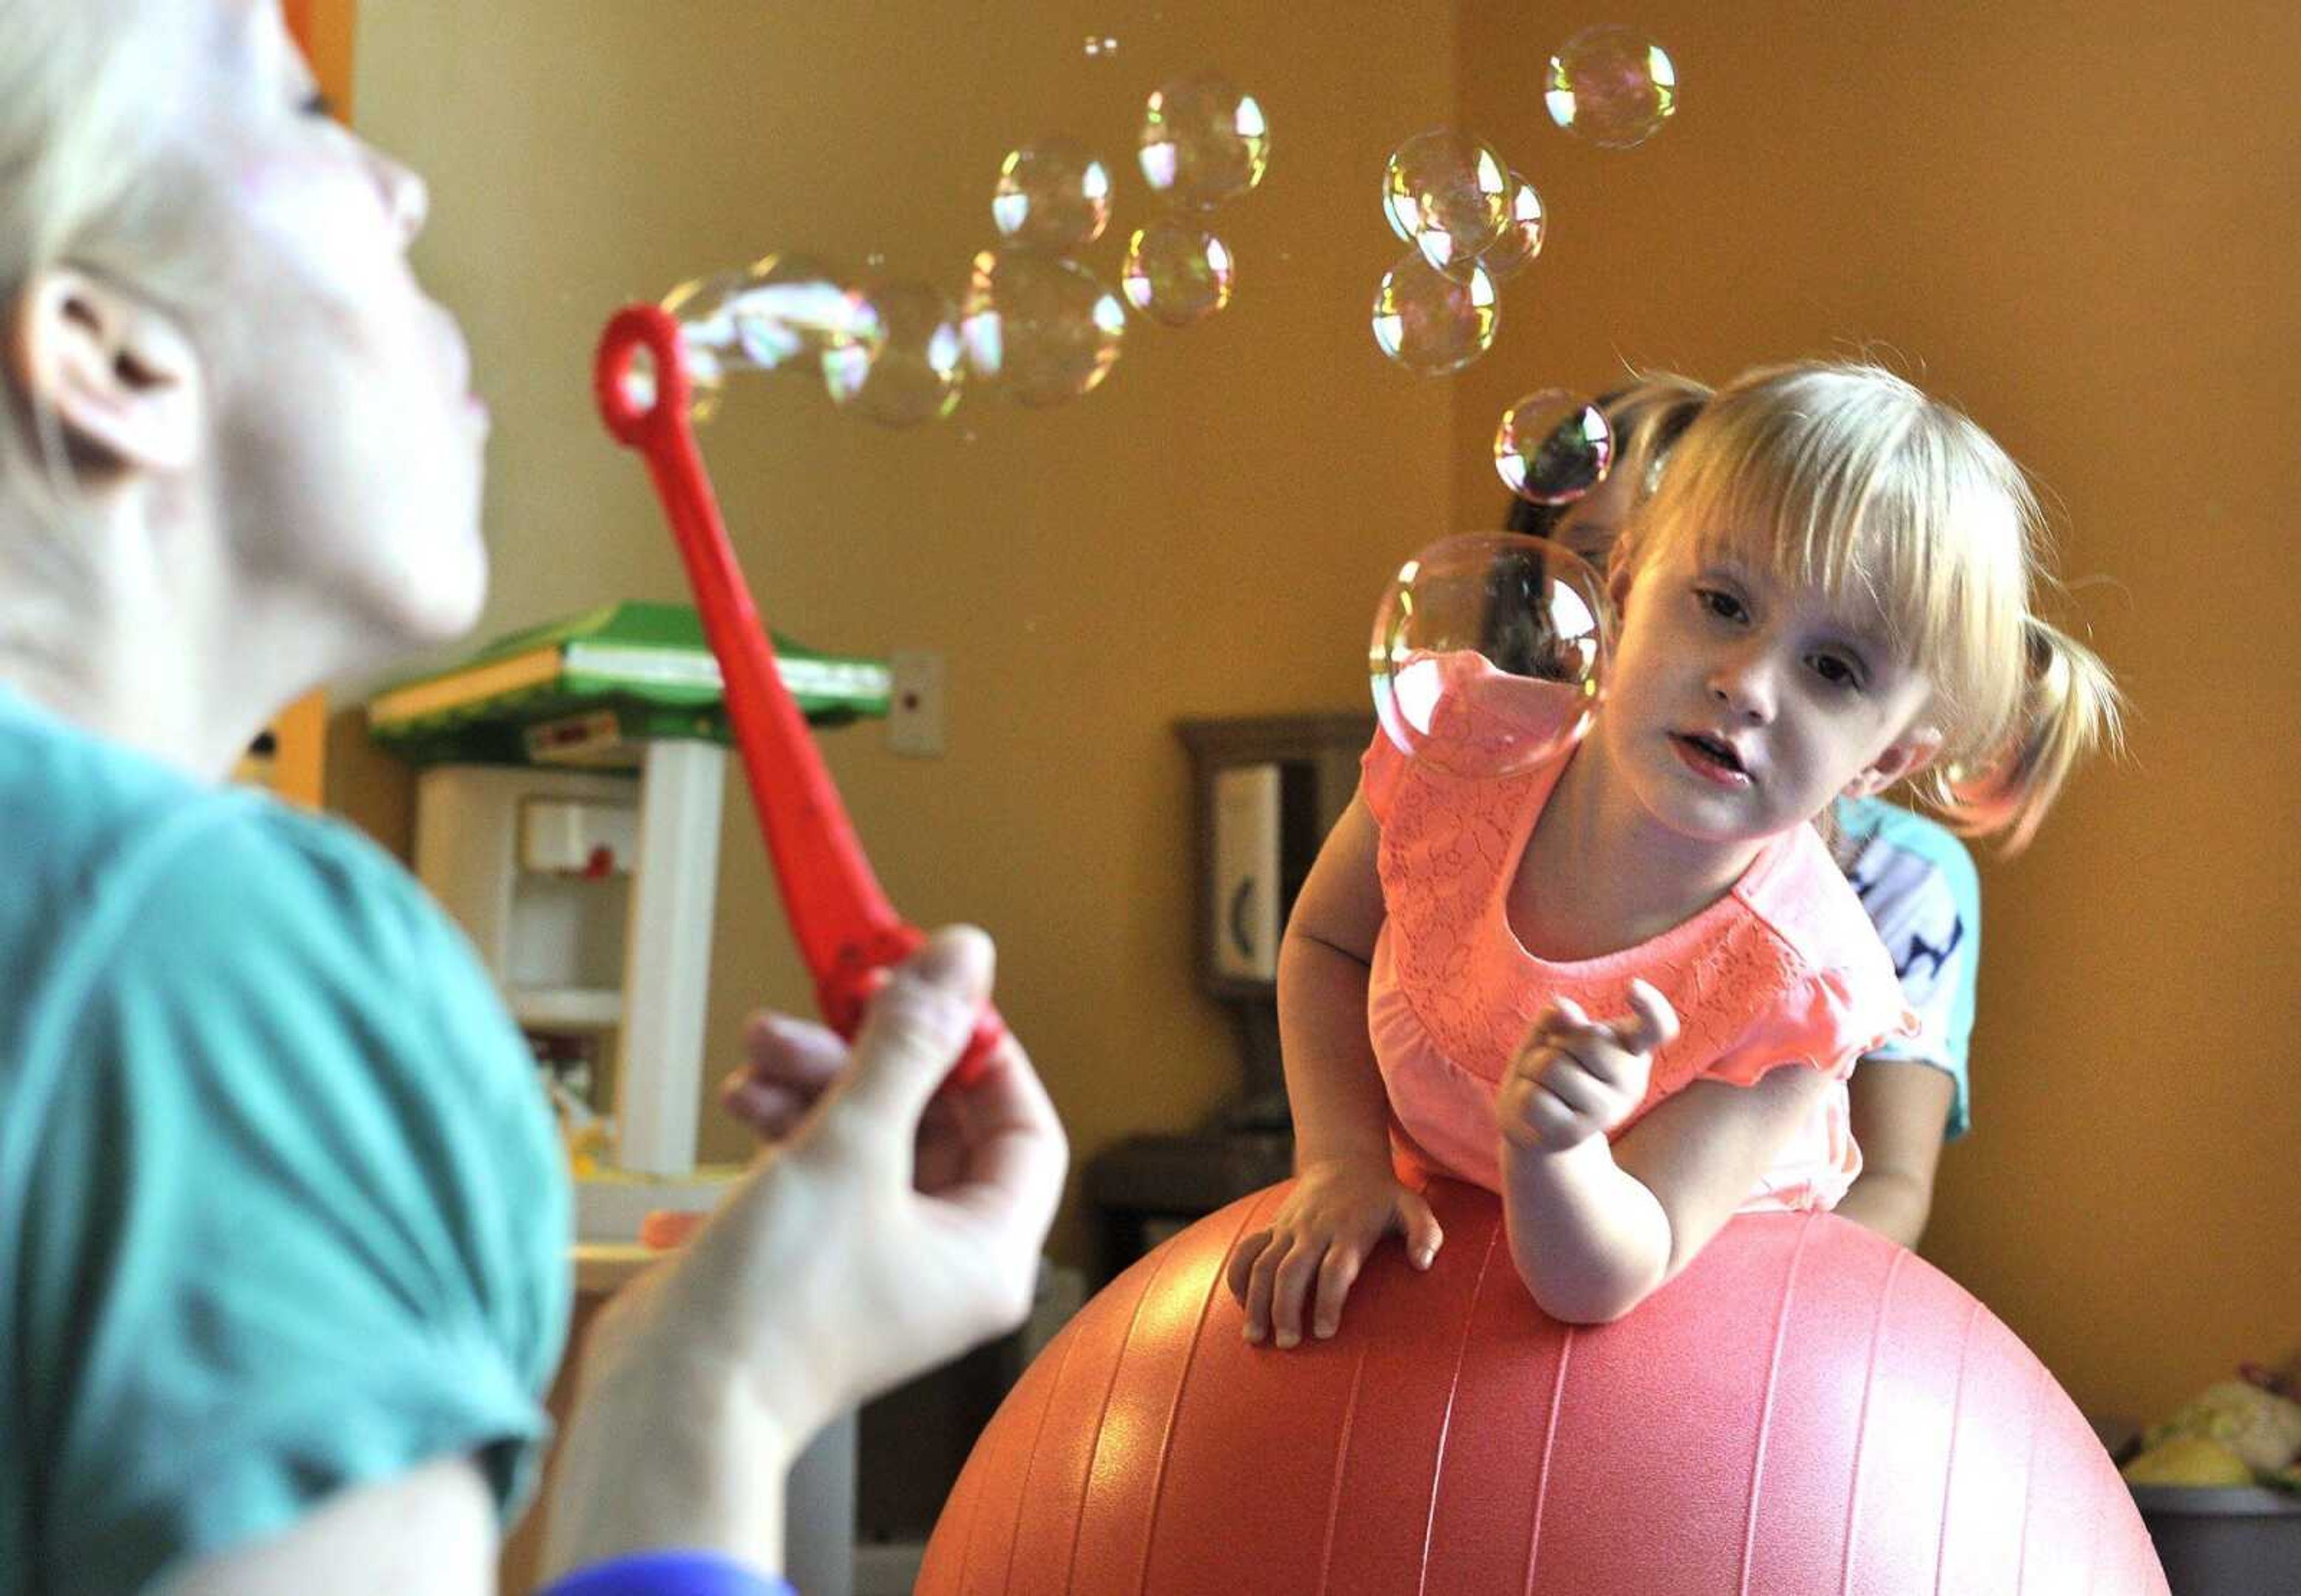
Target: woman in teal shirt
x=282, y=1223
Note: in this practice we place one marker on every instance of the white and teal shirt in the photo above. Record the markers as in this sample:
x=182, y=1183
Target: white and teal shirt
x=1918, y=883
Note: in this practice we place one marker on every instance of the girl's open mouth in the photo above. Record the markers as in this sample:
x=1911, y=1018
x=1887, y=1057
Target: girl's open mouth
x=1712, y=758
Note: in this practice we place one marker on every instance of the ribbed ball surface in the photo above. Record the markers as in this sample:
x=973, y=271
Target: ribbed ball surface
x=1808, y=1408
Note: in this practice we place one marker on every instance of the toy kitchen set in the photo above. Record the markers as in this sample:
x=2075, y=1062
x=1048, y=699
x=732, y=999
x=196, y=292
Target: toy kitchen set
x=568, y=804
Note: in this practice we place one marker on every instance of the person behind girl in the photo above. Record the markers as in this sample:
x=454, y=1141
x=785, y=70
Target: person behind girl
x=1915, y=878
x=1624, y=990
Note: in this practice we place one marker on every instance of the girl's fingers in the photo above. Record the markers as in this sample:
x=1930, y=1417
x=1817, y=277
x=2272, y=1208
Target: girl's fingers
x=1558, y=1124
x=1423, y=1236
x=1511, y=1113
x=1292, y=1287
x=1654, y=1023
x=1259, y=1280
x=1581, y=1089
x=1240, y=1271
x=1337, y=1276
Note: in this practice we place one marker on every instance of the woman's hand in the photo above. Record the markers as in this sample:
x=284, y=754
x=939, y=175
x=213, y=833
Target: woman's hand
x=1337, y=1213
x=882, y=1231
x=1574, y=1078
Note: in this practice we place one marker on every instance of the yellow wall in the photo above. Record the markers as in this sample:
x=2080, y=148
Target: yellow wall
x=2075, y=221
x=2071, y=220
x=1205, y=535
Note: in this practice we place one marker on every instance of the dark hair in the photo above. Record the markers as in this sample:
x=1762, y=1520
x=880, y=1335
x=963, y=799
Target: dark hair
x=1647, y=425
x=1649, y=441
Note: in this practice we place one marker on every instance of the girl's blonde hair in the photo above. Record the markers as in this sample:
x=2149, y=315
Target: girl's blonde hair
x=1841, y=475
x=84, y=91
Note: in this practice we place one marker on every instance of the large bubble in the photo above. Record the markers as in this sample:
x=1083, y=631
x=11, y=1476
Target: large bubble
x=1525, y=227
x=705, y=309
x=1433, y=323
x=1553, y=447
x=1203, y=141
x=1613, y=86
x=1448, y=195
x=1051, y=195
x=919, y=369
x=1177, y=271
x=780, y=312
x=1039, y=328
x=1489, y=653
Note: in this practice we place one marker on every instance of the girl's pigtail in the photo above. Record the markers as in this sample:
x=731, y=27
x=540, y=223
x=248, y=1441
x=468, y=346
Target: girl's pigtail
x=2069, y=705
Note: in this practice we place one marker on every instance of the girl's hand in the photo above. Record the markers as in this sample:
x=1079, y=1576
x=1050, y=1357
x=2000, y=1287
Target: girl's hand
x=1338, y=1211
x=1575, y=1078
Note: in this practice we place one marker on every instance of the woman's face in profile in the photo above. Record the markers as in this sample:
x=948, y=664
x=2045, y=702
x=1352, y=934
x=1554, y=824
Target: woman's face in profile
x=347, y=444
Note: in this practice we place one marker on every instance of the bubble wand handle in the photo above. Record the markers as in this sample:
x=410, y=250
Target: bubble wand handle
x=846, y=929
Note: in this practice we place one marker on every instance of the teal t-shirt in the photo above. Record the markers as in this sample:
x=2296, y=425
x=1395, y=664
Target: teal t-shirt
x=281, y=1209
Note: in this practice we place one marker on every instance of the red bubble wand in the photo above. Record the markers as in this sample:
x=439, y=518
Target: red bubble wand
x=847, y=930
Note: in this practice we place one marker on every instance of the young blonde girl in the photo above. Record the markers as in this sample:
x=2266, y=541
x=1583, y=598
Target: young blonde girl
x=1916, y=880
x=1830, y=591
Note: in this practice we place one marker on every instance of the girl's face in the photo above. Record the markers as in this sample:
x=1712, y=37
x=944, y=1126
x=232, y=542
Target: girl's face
x=347, y=444
x=1740, y=705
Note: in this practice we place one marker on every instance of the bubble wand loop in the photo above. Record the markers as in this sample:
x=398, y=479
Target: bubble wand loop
x=846, y=929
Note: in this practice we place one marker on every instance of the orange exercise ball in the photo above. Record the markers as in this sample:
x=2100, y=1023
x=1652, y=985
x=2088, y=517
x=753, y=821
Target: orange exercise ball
x=1808, y=1408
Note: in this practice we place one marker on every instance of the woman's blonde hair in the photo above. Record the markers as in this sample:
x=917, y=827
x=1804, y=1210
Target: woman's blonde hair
x=1841, y=475
x=83, y=90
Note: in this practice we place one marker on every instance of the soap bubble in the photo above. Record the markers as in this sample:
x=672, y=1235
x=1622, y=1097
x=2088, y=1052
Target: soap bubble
x=781, y=310
x=917, y=373
x=1430, y=322
x=1488, y=653
x=1203, y=142
x=1613, y=86
x=704, y=308
x=1051, y=195
x=795, y=308
x=1448, y=195
x=1553, y=447
x=1177, y=271
x=1039, y=327
x=1527, y=225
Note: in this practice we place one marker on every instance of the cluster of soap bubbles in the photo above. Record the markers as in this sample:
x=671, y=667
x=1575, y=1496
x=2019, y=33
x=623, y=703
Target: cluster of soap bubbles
x=1033, y=321
x=1489, y=650
x=1474, y=221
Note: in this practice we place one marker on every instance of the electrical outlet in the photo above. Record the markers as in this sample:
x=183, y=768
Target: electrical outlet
x=915, y=704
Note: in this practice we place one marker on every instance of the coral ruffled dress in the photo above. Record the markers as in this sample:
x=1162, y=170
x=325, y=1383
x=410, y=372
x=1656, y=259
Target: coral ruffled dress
x=1783, y=971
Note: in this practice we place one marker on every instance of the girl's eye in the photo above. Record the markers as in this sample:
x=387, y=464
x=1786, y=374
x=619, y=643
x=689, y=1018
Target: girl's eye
x=1721, y=604
x=1837, y=671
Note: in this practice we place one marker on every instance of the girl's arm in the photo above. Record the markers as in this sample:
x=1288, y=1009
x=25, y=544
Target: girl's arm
x=1900, y=1108
x=1596, y=1229
x=1332, y=1081
x=1345, y=1199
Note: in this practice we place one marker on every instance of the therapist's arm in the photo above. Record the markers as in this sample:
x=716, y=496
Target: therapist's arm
x=1900, y=1109
x=432, y=1530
